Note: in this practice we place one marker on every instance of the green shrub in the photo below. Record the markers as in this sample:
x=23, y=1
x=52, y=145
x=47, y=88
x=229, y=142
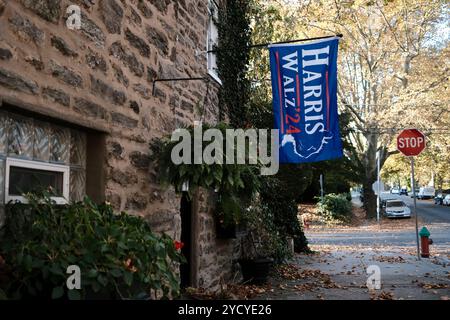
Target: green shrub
x=264, y=238
x=335, y=207
x=118, y=255
x=284, y=211
x=3, y=295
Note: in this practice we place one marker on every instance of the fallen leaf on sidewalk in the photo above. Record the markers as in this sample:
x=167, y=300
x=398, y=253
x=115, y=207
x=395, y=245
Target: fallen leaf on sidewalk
x=429, y=286
x=244, y=292
x=282, y=286
x=289, y=272
x=293, y=272
x=230, y=291
x=305, y=287
x=383, y=295
x=199, y=294
x=387, y=259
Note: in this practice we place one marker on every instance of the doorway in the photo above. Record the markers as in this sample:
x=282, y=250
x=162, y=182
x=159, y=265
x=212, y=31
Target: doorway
x=186, y=238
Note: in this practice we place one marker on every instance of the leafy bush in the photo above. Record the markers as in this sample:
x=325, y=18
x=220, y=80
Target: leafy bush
x=118, y=255
x=236, y=184
x=335, y=207
x=283, y=212
x=263, y=237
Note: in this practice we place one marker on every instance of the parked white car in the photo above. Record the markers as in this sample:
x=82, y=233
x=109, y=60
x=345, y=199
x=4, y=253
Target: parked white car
x=446, y=201
x=426, y=193
x=396, y=209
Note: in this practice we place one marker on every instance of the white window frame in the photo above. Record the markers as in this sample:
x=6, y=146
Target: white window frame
x=213, y=14
x=14, y=162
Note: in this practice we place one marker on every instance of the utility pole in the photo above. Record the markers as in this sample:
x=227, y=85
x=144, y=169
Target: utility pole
x=378, y=179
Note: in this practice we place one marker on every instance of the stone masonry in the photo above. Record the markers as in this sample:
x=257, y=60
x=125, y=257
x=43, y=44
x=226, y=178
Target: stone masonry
x=100, y=77
x=216, y=257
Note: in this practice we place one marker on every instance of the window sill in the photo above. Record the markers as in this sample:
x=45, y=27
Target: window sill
x=215, y=77
x=21, y=199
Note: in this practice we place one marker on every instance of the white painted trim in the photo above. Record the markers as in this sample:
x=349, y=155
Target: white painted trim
x=211, y=72
x=214, y=75
x=215, y=13
x=37, y=166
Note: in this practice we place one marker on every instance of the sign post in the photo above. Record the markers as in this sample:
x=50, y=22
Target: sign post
x=321, y=190
x=321, y=187
x=411, y=142
x=378, y=191
x=415, y=205
x=377, y=187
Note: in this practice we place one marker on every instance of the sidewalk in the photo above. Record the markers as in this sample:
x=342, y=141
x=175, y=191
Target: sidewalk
x=341, y=275
x=338, y=269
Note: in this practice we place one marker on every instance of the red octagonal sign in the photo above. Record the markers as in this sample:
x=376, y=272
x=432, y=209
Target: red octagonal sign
x=411, y=142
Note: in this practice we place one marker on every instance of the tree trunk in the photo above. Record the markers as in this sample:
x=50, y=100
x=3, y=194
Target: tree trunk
x=370, y=164
x=370, y=199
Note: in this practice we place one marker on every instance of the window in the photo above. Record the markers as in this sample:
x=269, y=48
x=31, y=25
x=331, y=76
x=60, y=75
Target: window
x=212, y=40
x=391, y=204
x=36, y=154
x=22, y=176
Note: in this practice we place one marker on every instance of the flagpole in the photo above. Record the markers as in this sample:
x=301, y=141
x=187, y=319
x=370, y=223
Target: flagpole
x=265, y=45
x=260, y=46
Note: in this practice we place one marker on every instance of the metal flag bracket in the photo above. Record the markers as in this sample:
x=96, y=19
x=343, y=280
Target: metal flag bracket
x=262, y=45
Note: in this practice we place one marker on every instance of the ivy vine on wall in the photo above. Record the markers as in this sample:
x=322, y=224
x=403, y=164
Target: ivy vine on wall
x=233, y=55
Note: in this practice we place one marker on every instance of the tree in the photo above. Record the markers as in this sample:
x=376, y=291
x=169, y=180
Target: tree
x=432, y=93
x=384, y=45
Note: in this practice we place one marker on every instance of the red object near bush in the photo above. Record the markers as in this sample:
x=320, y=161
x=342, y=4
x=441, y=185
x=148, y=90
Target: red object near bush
x=178, y=245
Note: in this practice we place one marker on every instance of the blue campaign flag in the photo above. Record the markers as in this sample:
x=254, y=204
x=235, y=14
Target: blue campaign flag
x=304, y=88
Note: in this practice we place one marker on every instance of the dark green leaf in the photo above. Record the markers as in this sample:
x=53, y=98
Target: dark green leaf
x=102, y=280
x=128, y=278
x=92, y=273
x=74, y=294
x=116, y=273
x=57, y=292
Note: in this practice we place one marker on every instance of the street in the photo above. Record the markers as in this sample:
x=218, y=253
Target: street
x=430, y=212
x=435, y=217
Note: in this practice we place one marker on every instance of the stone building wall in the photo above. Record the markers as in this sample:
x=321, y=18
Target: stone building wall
x=100, y=78
x=216, y=258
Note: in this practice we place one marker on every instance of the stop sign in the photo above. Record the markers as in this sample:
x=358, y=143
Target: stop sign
x=411, y=142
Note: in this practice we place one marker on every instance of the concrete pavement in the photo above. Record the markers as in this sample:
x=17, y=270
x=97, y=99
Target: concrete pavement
x=338, y=269
x=340, y=274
